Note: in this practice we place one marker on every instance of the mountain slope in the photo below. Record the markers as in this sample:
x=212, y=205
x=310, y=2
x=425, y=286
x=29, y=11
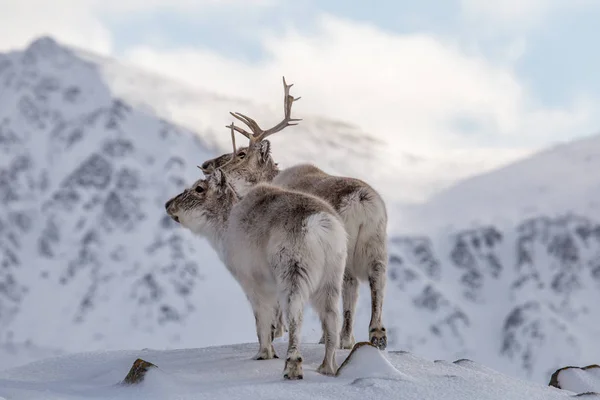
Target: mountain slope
x=555, y=181
x=84, y=241
x=522, y=298
x=507, y=270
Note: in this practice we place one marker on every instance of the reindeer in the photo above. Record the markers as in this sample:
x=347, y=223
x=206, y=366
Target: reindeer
x=360, y=206
x=282, y=246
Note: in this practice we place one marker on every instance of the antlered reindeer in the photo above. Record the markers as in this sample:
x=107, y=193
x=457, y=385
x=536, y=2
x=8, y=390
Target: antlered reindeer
x=283, y=247
x=360, y=206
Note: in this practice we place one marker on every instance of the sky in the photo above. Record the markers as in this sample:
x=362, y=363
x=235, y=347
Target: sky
x=465, y=74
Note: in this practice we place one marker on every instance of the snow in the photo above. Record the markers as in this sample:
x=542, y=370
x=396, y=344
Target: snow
x=13, y=355
x=555, y=181
x=378, y=365
x=228, y=372
x=580, y=380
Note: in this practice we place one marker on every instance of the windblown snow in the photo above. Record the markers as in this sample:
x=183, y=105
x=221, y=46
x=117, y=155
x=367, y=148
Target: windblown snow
x=90, y=150
x=229, y=373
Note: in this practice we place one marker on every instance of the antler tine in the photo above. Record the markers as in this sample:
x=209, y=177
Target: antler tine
x=256, y=130
x=240, y=130
x=233, y=138
x=259, y=134
x=233, y=129
x=288, y=101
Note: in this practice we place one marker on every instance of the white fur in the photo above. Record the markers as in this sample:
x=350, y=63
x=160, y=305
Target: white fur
x=265, y=257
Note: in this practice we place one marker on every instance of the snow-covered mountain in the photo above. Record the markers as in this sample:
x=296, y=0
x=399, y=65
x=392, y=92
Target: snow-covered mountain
x=522, y=298
x=555, y=181
x=507, y=269
x=84, y=243
x=90, y=150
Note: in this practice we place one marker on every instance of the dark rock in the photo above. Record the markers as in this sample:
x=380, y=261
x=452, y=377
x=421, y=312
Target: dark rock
x=137, y=373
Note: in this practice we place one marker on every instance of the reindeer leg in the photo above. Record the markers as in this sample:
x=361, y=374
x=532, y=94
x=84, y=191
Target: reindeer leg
x=349, y=299
x=278, y=327
x=293, y=362
x=326, y=303
x=263, y=315
x=377, y=277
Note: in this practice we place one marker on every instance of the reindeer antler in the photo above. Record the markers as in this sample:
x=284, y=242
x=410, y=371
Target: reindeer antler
x=232, y=126
x=259, y=134
x=233, y=129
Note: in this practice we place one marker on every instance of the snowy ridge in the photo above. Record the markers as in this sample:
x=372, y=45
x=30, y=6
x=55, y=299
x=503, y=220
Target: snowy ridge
x=13, y=355
x=521, y=299
x=556, y=181
x=229, y=373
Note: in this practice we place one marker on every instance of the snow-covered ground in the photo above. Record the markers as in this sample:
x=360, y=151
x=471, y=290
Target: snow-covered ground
x=229, y=373
x=580, y=380
x=13, y=355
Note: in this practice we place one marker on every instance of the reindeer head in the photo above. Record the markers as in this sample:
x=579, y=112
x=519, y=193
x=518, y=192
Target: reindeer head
x=204, y=205
x=252, y=164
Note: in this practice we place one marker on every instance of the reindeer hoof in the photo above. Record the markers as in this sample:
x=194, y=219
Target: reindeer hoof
x=293, y=369
x=293, y=377
x=378, y=338
x=265, y=354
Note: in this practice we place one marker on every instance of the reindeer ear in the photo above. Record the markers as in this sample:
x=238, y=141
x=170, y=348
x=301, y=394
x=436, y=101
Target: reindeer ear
x=264, y=148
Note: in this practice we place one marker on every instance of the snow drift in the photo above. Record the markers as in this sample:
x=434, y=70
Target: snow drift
x=228, y=372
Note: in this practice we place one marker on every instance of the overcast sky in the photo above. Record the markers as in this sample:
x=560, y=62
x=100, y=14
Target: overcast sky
x=428, y=74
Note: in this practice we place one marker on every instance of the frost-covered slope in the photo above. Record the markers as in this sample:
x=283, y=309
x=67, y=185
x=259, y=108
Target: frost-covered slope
x=88, y=258
x=229, y=373
x=508, y=268
x=13, y=355
x=555, y=181
x=521, y=298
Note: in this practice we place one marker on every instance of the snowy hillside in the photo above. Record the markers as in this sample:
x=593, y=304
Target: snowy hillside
x=89, y=153
x=508, y=265
x=522, y=298
x=86, y=250
x=556, y=181
x=230, y=373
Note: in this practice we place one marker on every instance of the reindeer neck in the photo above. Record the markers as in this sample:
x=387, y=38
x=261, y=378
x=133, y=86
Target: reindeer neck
x=218, y=227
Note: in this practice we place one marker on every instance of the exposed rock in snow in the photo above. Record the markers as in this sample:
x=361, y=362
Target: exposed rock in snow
x=576, y=379
x=230, y=373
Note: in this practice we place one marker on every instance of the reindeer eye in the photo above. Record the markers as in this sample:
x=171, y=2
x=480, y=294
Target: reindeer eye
x=241, y=154
x=199, y=189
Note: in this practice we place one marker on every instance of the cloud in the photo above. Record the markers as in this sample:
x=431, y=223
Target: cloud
x=415, y=90
x=517, y=14
x=69, y=21
x=82, y=23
